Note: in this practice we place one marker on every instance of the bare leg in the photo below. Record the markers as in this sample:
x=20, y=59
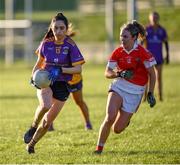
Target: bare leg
x=45, y=101
x=40, y=111
x=159, y=80
x=122, y=121
x=51, y=127
x=114, y=103
x=48, y=118
x=78, y=98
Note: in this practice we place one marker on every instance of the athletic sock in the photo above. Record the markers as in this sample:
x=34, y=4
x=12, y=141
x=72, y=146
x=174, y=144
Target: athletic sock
x=34, y=125
x=100, y=147
x=88, y=125
x=32, y=143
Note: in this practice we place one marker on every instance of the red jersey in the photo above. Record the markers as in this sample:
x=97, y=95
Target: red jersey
x=137, y=60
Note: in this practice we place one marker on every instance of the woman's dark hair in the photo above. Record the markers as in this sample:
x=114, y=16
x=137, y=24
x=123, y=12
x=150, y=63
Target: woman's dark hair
x=135, y=28
x=61, y=17
x=58, y=17
x=155, y=13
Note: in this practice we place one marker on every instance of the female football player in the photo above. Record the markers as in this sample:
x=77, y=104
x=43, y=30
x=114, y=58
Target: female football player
x=76, y=90
x=129, y=66
x=59, y=55
x=156, y=36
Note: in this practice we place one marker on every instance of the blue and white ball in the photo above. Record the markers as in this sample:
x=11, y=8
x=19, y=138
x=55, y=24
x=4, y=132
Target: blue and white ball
x=41, y=78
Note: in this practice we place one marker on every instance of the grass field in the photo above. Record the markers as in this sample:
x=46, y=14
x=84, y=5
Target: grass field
x=152, y=137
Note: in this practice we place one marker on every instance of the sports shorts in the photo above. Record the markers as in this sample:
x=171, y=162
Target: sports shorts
x=60, y=90
x=131, y=102
x=75, y=87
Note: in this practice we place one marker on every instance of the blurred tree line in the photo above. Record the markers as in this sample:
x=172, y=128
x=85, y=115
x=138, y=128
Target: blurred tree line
x=45, y=5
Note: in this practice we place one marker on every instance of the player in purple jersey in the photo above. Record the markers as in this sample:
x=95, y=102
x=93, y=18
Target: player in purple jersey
x=76, y=90
x=59, y=55
x=156, y=36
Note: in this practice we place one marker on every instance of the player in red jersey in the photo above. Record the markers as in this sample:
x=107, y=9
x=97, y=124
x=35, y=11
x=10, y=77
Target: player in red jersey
x=129, y=66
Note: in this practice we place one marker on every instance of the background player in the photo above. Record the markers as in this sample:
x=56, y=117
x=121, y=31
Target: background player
x=156, y=36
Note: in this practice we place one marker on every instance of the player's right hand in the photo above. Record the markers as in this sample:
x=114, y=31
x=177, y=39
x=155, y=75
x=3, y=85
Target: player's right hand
x=54, y=74
x=127, y=74
x=33, y=84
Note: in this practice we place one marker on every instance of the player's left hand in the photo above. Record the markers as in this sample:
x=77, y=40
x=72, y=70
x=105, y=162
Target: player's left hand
x=151, y=99
x=54, y=73
x=166, y=59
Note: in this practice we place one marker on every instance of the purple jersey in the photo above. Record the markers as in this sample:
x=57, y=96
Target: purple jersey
x=64, y=54
x=155, y=39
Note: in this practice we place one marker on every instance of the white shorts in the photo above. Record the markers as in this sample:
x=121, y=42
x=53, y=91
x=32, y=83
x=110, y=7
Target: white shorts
x=131, y=102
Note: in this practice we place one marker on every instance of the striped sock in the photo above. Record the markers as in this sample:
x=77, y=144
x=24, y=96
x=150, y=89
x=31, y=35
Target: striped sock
x=32, y=143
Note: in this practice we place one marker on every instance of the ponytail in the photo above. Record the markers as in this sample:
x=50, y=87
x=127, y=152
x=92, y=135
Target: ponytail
x=70, y=31
x=135, y=28
x=140, y=29
x=48, y=34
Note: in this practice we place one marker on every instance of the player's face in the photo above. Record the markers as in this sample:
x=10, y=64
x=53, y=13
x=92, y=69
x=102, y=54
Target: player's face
x=59, y=29
x=154, y=19
x=126, y=39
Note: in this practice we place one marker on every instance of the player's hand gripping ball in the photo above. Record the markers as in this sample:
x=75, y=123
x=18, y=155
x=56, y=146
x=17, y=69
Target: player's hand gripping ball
x=54, y=74
x=41, y=79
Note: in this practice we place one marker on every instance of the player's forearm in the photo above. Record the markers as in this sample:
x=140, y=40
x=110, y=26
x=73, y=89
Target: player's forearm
x=166, y=47
x=72, y=70
x=38, y=64
x=152, y=80
x=110, y=74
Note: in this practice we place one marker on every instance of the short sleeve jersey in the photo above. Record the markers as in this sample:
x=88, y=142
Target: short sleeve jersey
x=64, y=54
x=136, y=60
x=155, y=39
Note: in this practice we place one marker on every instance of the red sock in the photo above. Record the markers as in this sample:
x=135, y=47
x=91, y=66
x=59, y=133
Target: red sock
x=99, y=148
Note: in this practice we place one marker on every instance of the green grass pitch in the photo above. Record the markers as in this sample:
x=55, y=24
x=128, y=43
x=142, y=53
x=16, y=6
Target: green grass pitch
x=153, y=135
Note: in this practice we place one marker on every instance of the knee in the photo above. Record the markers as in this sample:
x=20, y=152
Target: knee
x=79, y=102
x=109, y=120
x=45, y=107
x=46, y=122
x=118, y=129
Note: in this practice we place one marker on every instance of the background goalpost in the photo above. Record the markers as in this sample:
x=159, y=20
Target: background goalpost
x=109, y=20
x=9, y=24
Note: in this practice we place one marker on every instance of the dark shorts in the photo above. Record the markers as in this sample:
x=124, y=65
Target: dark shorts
x=159, y=61
x=60, y=90
x=75, y=87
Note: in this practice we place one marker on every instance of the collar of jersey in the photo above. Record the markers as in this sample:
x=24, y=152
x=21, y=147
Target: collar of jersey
x=59, y=42
x=134, y=47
